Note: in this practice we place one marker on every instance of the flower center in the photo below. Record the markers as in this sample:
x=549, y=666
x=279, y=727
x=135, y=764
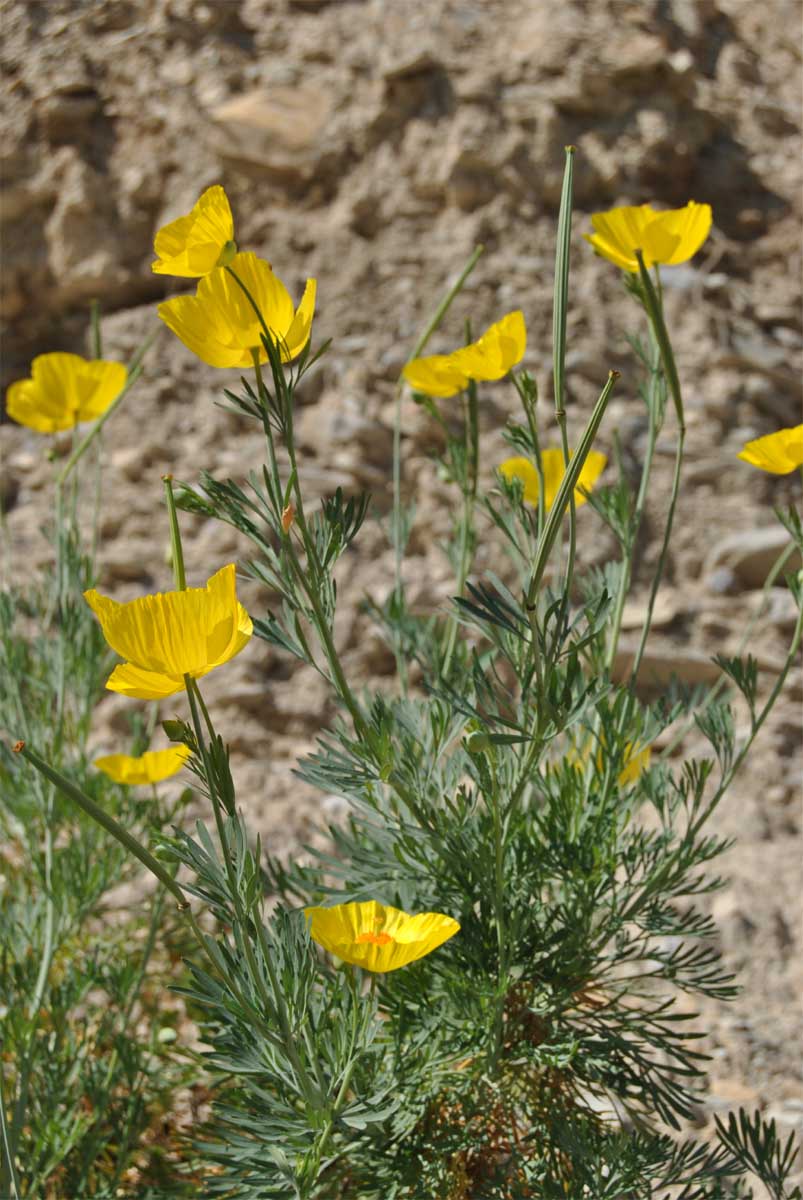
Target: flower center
x=376, y=939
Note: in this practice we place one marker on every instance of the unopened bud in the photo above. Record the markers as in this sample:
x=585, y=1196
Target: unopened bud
x=288, y=516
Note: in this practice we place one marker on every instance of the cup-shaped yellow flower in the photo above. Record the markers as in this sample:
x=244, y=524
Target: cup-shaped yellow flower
x=172, y=634
x=377, y=937
x=63, y=390
x=552, y=465
x=668, y=237
x=151, y=767
x=778, y=452
x=490, y=357
x=197, y=243
x=219, y=323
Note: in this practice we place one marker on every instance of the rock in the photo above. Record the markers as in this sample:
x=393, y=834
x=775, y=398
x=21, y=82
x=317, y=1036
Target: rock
x=723, y=582
x=751, y=553
x=660, y=666
x=665, y=610
x=280, y=133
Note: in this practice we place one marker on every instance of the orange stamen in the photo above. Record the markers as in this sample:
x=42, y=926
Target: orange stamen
x=376, y=939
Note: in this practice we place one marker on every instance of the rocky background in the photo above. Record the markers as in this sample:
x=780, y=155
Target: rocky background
x=373, y=144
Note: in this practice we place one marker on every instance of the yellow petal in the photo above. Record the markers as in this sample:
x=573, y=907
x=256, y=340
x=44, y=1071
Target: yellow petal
x=500, y=348
x=436, y=375
x=192, y=245
x=151, y=767
x=298, y=334
x=64, y=389
x=172, y=634
x=378, y=937
x=637, y=759
x=523, y=469
x=141, y=684
x=553, y=470
x=668, y=237
x=199, y=328
x=779, y=453
x=690, y=227
x=593, y=467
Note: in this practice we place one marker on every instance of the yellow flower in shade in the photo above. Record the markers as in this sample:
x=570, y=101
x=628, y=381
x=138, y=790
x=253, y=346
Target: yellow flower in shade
x=64, y=389
x=490, y=357
x=219, y=323
x=668, y=237
x=172, y=634
x=552, y=465
x=778, y=452
x=636, y=760
x=151, y=767
x=194, y=245
x=376, y=937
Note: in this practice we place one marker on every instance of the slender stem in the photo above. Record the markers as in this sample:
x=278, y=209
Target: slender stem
x=98, y=814
x=721, y=683
x=654, y=308
x=559, y=319
x=251, y=301
x=659, y=569
x=177, y=553
x=94, y=322
x=727, y=778
x=655, y=414
x=8, y=1176
x=567, y=486
x=397, y=525
x=134, y=372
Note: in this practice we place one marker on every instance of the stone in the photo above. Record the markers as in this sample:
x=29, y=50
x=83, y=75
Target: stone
x=279, y=133
x=751, y=553
x=660, y=666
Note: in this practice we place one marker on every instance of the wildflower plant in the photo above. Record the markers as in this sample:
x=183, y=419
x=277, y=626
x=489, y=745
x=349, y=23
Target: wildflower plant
x=515, y=900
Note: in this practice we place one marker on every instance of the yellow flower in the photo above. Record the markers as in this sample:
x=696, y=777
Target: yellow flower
x=636, y=759
x=219, y=323
x=490, y=357
x=172, y=634
x=778, y=452
x=151, y=767
x=63, y=390
x=668, y=237
x=194, y=245
x=377, y=937
x=552, y=465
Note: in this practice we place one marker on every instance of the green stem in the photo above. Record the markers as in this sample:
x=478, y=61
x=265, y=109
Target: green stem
x=654, y=309
x=559, y=319
x=251, y=301
x=9, y=1180
x=177, y=553
x=277, y=1005
x=721, y=683
x=568, y=484
x=134, y=372
x=397, y=526
x=659, y=569
x=727, y=778
x=98, y=814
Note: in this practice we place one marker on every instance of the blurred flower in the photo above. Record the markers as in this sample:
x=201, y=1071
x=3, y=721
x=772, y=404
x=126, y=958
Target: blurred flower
x=377, y=937
x=490, y=357
x=636, y=760
x=219, y=322
x=668, y=237
x=63, y=390
x=778, y=452
x=151, y=767
x=194, y=245
x=172, y=634
x=552, y=465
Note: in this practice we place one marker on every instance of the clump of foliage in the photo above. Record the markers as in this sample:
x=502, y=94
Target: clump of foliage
x=540, y=1051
